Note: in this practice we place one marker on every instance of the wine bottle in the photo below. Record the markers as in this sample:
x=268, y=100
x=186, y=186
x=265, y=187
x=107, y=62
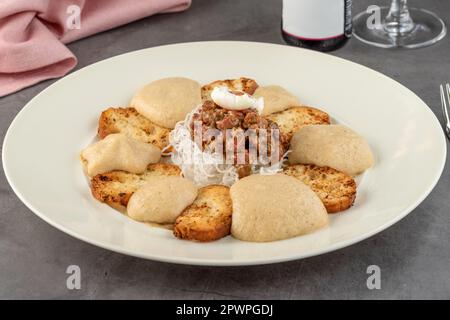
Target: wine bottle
x=323, y=25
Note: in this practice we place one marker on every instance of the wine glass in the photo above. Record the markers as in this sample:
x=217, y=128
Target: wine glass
x=400, y=26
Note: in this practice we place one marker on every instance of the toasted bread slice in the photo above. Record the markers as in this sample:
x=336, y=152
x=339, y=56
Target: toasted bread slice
x=336, y=189
x=208, y=218
x=116, y=187
x=242, y=84
x=133, y=124
x=293, y=119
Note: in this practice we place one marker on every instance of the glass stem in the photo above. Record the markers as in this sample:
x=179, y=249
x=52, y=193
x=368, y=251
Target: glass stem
x=398, y=21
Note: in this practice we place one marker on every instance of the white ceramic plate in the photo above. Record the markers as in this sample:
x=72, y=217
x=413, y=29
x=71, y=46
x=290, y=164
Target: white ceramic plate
x=41, y=148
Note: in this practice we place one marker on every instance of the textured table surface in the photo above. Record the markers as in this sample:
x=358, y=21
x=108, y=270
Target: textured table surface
x=414, y=254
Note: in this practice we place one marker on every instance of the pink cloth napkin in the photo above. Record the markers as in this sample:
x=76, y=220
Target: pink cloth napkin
x=33, y=33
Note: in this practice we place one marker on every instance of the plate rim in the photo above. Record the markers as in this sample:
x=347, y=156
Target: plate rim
x=216, y=262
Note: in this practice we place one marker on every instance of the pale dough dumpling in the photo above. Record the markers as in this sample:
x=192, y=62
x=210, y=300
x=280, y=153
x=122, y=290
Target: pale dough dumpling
x=335, y=146
x=276, y=99
x=161, y=199
x=119, y=152
x=274, y=207
x=167, y=101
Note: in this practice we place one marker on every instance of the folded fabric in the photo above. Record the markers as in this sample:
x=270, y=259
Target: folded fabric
x=33, y=33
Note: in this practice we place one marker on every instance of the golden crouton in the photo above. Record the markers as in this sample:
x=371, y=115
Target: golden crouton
x=133, y=124
x=242, y=84
x=293, y=119
x=336, y=189
x=116, y=187
x=208, y=218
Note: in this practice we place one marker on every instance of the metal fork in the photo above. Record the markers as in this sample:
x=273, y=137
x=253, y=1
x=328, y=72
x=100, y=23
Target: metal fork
x=445, y=98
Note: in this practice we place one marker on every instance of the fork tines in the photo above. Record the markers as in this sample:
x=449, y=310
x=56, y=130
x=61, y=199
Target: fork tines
x=445, y=98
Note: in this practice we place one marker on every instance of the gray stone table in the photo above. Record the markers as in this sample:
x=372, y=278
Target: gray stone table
x=414, y=254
